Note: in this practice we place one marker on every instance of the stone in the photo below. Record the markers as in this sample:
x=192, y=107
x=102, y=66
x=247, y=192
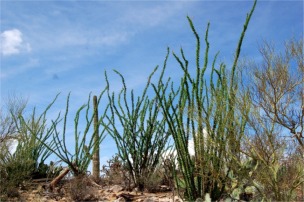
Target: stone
x=120, y=199
x=88, y=197
x=63, y=199
x=151, y=199
x=164, y=188
x=199, y=200
x=177, y=199
x=207, y=197
x=116, y=188
x=35, y=191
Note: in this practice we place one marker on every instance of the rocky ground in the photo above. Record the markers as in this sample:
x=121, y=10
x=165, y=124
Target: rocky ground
x=81, y=191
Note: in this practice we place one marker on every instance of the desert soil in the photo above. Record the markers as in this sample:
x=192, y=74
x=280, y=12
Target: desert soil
x=67, y=192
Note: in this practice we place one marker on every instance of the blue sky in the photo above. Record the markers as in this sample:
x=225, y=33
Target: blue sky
x=49, y=47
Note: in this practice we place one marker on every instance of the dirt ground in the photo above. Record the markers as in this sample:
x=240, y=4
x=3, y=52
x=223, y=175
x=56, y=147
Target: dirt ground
x=81, y=191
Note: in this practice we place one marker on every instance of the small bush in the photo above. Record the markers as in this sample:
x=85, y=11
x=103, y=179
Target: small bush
x=154, y=182
x=13, y=192
x=80, y=189
x=115, y=173
x=14, y=173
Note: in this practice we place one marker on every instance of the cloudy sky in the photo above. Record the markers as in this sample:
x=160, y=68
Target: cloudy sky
x=49, y=47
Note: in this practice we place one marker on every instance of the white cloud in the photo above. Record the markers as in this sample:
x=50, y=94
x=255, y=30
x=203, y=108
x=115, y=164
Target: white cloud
x=10, y=144
x=191, y=148
x=12, y=42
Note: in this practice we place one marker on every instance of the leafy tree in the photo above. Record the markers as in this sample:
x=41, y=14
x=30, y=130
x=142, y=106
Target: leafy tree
x=275, y=132
x=14, y=106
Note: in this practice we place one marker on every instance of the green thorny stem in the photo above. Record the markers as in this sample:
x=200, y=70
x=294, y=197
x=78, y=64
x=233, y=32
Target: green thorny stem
x=56, y=142
x=206, y=111
x=143, y=138
x=28, y=130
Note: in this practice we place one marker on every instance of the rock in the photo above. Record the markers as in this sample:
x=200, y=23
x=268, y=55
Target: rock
x=87, y=197
x=135, y=190
x=35, y=191
x=116, y=188
x=127, y=196
x=151, y=199
x=63, y=199
x=164, y=188
x=148, y=200
x=228, y=199
x=177, y=199
x=207, y=197
x=121, y=199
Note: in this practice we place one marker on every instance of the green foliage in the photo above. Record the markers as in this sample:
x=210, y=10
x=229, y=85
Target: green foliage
x=206, y=111
x=143, y=137
x=114, y=173
x=207, y=108
x=277, y=175
x=55, y=140
x=29, y=145
x=15, y=172
x=274, y=137
x=27, y=162
x=14, y=105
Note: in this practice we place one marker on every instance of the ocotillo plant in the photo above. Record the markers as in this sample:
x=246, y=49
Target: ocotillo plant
x=205, y=110
x=144, y=135
x=28, y=160
x=77, y=161
x=28, y=131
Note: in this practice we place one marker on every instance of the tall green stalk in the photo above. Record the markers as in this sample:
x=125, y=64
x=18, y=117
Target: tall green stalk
x=85, y=145
x=205, y=110
x=144, y=135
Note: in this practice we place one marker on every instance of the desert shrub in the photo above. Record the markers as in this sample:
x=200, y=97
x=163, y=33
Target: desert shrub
x=14, y=167
x=154, y=181
x=144, y=135
x=275, y=122
x=115, y=173
x=20, y=169
x=163, y=177
x=80, y=189
x=13, y=192
x=13, y=174
x=27, y=162
x=55, y=141
x=168, y=170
